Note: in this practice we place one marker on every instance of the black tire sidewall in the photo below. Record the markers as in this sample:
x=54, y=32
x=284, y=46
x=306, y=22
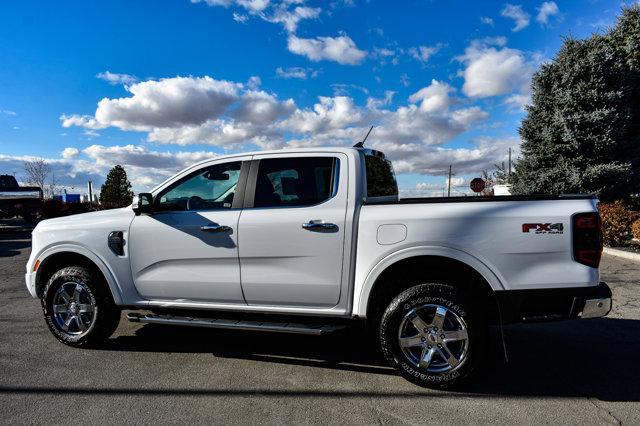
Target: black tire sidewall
x=437, y=294
x=104, y=313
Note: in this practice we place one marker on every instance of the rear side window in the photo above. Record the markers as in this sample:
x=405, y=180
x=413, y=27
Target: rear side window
x=381, y=180
x=295, y=181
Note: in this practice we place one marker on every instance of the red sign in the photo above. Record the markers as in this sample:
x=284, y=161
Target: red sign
x=477, y=185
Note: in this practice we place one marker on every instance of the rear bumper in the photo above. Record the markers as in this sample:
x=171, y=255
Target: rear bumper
x=554, y=304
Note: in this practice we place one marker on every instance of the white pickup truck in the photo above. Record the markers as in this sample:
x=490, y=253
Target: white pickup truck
x=308, y=240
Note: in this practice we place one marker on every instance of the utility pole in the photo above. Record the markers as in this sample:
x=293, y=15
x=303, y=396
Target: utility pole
x=90, y=188
x=449, y=189
x=509, y=163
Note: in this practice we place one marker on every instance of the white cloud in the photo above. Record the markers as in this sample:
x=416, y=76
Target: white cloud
x=296, y=72
x=486, y=20
x=518, y=101
x=547, y=10
x=179, y=112
x=254, y=82
x=290, y=18
x=164, y=103
x=341, y=49
x=519, y=16
x=434, y=98
x=240, y=18
x=69, y=153
x=8, y=112
x=424, y=53
x=491, y=71
x=329, y=114
x=375, y=103
x=258, y=107
x=114, y=78
x=288, y=13
x=90, y=134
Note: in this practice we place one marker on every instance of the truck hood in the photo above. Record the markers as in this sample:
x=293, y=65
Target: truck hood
x=85, y=220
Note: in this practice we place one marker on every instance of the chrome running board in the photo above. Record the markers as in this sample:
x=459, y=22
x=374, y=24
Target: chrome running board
x=231, y=324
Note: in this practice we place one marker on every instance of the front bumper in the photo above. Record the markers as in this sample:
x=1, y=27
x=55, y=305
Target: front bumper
x=554, y=304
x=30, y=281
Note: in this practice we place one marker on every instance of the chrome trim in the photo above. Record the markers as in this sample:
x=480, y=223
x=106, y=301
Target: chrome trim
x=214, y=227
x=595, y=308
x=284, y=327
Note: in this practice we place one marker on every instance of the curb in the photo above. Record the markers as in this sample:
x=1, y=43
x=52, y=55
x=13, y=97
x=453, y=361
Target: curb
x=623, y=254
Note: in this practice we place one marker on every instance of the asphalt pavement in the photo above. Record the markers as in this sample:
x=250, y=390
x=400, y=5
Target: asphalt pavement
x=575, y=372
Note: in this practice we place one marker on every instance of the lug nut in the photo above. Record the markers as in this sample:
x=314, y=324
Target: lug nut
x=442, y=336
x=429, y=347
x=422, y=339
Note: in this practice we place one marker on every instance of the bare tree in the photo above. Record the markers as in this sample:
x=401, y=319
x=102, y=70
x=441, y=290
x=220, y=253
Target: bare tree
x=37, y=172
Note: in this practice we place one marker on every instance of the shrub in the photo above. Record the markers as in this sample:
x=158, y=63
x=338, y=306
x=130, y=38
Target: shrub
x=635, y=229
x=56, y=208
x=616, y=223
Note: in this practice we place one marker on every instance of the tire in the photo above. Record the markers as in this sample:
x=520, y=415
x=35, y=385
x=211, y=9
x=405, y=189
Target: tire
x=75, y=291
x=446, y=362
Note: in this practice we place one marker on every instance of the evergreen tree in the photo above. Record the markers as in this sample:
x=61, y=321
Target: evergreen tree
x=116, y=190
x=581, y=132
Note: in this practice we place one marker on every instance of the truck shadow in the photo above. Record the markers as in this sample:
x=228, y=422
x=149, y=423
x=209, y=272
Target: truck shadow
x=593, y=358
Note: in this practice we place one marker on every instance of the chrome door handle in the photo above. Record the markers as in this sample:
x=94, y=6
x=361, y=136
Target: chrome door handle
x=214, y=227
x=319, y=226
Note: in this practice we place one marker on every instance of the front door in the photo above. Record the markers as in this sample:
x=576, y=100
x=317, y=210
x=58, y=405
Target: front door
x=187, y=249
x=292, y=230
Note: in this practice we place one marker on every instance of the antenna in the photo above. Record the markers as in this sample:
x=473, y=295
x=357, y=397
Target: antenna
x=361, y=144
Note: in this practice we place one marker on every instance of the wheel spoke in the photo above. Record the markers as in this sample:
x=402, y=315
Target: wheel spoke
x=65, y=296
x=59, y=309
x=448, y=357
x=426, y=357
x=81, y=325
x=438, y=318
x=76, y=293
x=453, y=335
x=418, y=322
x=410, y=342
x=67, y=322
x=85, y=309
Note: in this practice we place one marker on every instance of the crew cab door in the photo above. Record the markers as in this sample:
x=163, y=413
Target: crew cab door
x=291, y=230
x=187, y=249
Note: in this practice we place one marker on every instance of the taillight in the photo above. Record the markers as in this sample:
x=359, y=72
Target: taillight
x=587, y=239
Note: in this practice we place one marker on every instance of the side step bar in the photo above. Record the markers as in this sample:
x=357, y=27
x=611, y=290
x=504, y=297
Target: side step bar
x=230, y=324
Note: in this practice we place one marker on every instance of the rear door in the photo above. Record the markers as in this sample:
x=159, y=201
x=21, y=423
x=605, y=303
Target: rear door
x=291, y=230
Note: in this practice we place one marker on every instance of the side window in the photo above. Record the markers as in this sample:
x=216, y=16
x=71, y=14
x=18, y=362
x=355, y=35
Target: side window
x=211, y=188
x=295, y=181
x=381, y=180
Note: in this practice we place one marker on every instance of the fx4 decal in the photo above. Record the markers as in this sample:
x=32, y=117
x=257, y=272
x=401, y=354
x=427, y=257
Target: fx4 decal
x=543, y=228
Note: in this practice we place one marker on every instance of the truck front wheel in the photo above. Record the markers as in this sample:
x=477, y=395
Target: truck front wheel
x=78, y=307
x=432, y=335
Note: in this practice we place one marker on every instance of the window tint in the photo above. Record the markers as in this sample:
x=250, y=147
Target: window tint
x=294, y=181
x=381, y=181
x=208, y=189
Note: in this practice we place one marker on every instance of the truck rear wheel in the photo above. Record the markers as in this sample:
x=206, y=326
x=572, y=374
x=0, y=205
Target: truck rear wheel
x=78, y=307
x=431, y=334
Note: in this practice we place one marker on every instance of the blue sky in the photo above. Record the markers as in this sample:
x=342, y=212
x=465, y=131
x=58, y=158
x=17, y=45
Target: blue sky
x=157, y=85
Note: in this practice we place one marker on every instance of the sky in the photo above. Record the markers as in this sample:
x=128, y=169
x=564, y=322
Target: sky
x=158, y=85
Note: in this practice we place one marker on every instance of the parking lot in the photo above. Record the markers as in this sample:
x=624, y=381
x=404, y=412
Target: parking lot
x=580, y=372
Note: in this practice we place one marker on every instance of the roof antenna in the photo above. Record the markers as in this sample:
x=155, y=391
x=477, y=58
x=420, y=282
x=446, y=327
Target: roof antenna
x=361, y=144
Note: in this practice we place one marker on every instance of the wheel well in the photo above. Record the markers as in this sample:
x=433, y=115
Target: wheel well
x=57, y=261
x=416, y=270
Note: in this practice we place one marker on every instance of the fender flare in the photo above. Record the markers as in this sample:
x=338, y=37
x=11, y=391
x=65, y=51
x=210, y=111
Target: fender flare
x=109, y=276
x=494, y=280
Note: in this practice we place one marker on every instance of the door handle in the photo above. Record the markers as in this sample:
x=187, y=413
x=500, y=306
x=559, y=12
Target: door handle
x=317, y=225
x=214, y=227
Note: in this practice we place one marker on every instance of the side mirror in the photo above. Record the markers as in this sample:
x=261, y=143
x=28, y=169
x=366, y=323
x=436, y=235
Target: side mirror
x=142, y=203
